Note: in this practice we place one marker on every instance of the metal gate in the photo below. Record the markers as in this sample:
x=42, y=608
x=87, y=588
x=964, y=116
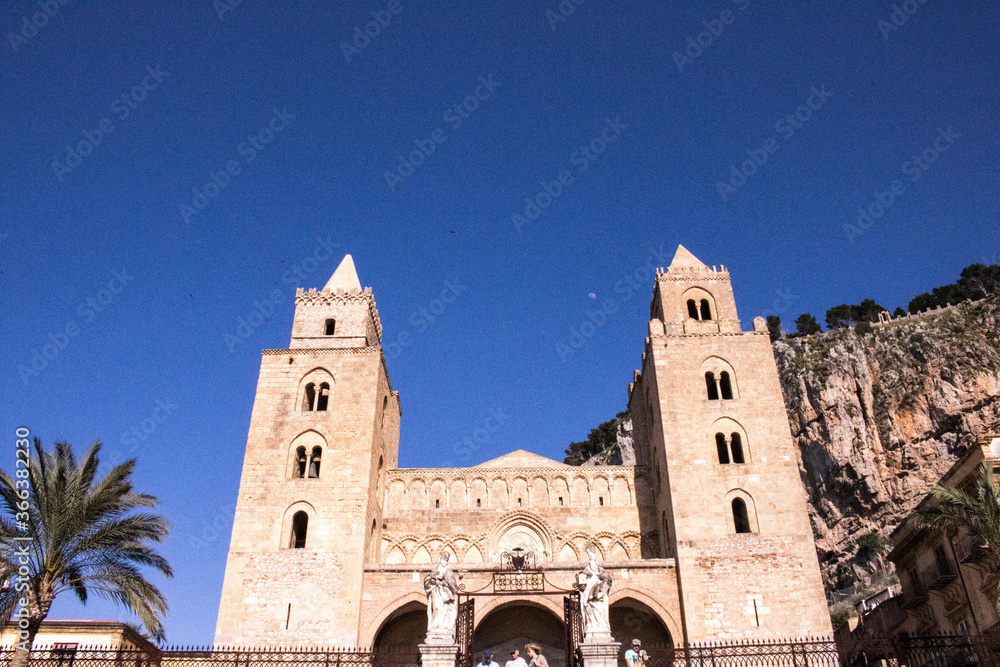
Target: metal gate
x=463, y=631
x=574, y=629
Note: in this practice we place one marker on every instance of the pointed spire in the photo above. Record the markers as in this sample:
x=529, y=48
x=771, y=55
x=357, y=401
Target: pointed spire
x=345, y=278
x=684, y=259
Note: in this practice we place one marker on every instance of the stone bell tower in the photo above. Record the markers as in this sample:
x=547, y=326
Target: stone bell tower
x=709, y=414
x=324, y=429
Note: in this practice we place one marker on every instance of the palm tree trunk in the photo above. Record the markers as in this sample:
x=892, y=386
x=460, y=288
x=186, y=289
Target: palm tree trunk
x=22, y=656
x=38, y=608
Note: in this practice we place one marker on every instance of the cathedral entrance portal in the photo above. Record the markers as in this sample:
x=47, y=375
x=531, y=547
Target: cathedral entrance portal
x=516, y=623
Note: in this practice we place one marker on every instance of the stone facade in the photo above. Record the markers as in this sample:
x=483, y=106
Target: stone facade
x=331, y=539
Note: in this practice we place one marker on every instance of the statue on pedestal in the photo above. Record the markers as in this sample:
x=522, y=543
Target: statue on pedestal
x=595, y=587
x=442, y=603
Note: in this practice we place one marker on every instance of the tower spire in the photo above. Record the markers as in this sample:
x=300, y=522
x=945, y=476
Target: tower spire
x=684, y=259
x=345, y=278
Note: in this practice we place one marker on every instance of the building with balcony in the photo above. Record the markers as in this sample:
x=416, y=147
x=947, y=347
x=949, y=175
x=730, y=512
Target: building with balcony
x=945, y=576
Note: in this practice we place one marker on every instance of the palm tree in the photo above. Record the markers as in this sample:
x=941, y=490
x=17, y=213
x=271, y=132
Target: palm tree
x=978, y=511
x=80, y=534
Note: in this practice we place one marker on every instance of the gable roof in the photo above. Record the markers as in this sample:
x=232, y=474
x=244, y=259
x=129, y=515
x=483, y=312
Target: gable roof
x=521, y=459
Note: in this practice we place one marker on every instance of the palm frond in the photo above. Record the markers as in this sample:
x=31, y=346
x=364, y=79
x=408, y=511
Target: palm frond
x=89, y=535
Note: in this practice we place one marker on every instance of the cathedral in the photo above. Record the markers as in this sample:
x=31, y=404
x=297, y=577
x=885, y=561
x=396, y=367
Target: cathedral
x=706, y=537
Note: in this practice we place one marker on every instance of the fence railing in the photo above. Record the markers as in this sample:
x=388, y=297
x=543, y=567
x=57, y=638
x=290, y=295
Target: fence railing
x=216, y=657
x=968, y=550
x=944, y=650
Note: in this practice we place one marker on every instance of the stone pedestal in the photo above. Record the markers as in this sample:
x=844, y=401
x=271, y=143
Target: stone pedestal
x=438, y=655
x=600, y=654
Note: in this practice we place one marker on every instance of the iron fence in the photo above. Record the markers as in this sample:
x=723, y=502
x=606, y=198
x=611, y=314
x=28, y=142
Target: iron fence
x=216, y=657
x=936, y=651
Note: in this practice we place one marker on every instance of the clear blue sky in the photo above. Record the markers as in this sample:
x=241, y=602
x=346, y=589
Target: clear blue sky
x=308, y=115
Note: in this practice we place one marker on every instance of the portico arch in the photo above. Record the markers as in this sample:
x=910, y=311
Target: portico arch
x=651, y=621
x=507, y=622
x=402, y=625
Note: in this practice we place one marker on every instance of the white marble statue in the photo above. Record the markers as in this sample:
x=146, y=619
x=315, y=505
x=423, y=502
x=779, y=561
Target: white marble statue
x=442, y=603
x=595, y=587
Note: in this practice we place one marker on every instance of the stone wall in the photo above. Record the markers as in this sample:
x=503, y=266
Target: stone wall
x=477, y=512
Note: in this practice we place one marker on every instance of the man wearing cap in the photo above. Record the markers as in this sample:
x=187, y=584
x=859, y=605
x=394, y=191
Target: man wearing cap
x=515, y=661
x=488, y=660
x=632, y=655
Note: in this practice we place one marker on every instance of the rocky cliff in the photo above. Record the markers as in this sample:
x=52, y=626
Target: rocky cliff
x=878, y=418
x=622, y=452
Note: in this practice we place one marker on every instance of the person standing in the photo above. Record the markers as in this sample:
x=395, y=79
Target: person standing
x=632, y=658
x=488, y=660
x=535, y=653
x=515, y=660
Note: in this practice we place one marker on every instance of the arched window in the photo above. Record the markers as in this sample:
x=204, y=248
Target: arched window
x=737, y=444
x=725, y=385
x=713, y=388
x=740, y=518
x=300, y=522
x=331, y=326
x=314, y=461
x=309, y=397
x=372, y=545
x=385, y=404
x=378, y=479
x=324, y=397
x=692, y=309
x=706, y=310
x=723, y=449
x=300, y=462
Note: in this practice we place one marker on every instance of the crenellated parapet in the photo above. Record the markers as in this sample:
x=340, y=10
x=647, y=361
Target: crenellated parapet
x=693, y=273
x=330, y=297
